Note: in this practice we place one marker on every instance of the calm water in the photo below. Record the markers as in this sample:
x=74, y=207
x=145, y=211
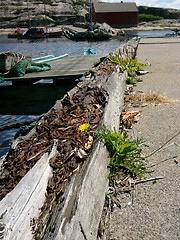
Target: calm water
x=11, y=112
x=153, y=33
x=57, y=46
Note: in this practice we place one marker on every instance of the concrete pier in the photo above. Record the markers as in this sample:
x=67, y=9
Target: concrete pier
x=154, y=213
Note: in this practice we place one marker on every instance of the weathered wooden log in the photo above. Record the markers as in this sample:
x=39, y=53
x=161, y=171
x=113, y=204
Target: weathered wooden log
x=77, y=217
x=85, y=197
x=85, y=191
x=23, y=203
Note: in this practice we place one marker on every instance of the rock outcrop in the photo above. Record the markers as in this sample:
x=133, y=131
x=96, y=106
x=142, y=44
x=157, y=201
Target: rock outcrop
x=21, y=13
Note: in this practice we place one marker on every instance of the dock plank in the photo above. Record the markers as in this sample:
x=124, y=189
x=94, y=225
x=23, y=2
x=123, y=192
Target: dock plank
x=70, y=66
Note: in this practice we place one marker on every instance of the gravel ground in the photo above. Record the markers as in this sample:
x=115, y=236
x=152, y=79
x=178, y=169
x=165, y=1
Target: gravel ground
x=155, y=212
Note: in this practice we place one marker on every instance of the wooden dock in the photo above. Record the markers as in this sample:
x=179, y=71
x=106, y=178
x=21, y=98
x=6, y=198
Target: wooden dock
x=71, y=67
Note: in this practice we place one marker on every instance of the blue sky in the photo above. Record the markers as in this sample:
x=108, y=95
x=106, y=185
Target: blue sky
x=153, y=3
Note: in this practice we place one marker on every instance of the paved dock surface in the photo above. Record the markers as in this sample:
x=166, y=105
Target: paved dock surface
x=155, y=212
x=67, y=67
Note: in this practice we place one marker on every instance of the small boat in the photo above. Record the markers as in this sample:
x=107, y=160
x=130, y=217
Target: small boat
x=17, y=33
x=33, y=33
x=55, y=34
x=14, y=35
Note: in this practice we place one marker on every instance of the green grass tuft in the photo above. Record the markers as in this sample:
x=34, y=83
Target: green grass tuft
x=124, y=153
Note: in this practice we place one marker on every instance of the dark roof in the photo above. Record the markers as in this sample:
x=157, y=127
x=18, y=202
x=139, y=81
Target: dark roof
x=102, y=7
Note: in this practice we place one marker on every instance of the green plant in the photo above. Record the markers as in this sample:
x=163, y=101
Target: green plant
x=127, y=64
x=148, y=17
x=131, y=80
x=108, y=193
x=124, y=153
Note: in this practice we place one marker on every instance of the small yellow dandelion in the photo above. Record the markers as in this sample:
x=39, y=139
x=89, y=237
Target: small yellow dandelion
x=83, y=127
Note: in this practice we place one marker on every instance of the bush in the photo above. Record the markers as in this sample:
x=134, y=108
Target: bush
x=148, y=18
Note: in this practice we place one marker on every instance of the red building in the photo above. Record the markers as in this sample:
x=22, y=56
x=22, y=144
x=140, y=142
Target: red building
x=115, y=14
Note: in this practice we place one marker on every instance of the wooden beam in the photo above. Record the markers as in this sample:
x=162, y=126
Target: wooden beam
x=23, y=203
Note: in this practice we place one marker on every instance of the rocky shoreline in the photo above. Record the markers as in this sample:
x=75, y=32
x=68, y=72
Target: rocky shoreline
x=155, y=25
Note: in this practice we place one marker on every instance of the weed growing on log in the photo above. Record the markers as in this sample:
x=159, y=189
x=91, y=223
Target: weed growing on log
x=131, y=65
x=131, y=80
x=124, y=153
x=127, y=64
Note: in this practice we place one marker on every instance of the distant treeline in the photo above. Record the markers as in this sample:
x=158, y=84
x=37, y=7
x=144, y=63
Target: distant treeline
x=153, y=13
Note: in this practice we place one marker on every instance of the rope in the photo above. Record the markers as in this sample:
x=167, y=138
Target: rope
x=44, y=57
x=162, y=145
x=53, y=59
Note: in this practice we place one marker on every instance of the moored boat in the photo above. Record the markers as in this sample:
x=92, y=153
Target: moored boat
x=34, y=33
x=53, y=34
x=17, y=33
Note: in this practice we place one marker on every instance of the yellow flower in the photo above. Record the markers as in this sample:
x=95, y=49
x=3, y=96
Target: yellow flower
x=84, y=127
